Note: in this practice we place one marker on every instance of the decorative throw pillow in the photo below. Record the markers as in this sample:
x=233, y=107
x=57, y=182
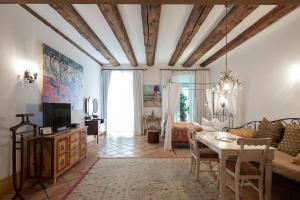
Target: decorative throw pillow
x=214, y=124
x=296, y=160
x=220, y=125
x=273, y=130
x=291, y=140
x=245, y=133
x=206, y=122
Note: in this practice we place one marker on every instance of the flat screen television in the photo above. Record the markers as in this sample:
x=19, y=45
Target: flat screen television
x=56, y=115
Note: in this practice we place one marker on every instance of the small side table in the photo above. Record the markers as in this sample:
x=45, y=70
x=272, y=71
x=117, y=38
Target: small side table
x=153, y=136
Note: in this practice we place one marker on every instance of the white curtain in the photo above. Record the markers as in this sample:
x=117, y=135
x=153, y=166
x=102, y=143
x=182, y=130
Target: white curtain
x=173, y=103
x=202, y=110
x=234, y=101
x=166, y=77
x=209, y=98
x=138, y=101
x=105, y=81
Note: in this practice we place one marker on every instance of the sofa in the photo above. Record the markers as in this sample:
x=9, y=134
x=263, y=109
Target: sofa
x=283, y=163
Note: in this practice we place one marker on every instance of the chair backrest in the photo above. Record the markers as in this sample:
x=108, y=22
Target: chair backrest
x=191, y=132
x=247, y=155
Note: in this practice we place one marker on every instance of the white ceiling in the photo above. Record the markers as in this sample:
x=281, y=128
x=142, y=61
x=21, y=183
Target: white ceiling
x=172, y=21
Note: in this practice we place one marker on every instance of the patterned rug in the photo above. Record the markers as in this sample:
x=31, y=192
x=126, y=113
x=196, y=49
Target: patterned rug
x=145, y=179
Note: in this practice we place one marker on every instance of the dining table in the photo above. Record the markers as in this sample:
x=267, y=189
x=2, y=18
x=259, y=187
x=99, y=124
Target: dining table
x=225, y=145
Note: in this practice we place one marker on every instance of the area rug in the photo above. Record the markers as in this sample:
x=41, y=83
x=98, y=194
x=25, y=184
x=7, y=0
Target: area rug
x=145, y=179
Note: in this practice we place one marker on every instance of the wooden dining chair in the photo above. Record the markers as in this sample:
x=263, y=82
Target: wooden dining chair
x=199, y=154
x=242, y=169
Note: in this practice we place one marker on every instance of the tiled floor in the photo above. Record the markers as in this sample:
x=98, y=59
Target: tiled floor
x=107, y=147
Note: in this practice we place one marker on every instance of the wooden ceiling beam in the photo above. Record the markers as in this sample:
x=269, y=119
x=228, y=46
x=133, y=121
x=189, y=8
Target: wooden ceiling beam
x=40, y=18
x=192, y=26
x=207, y=2
x=270, y=18
x=150, y=19
x=113, y=18
x=68, y=12
x=236, y=15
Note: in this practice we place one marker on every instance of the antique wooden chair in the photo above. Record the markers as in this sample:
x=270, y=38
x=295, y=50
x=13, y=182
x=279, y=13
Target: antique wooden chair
x=199, y=154
x=242, y=170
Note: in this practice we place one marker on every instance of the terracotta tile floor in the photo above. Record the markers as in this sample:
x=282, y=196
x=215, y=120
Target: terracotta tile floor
x=107, y=147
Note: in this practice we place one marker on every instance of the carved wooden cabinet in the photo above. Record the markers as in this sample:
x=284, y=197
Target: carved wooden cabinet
x=61, y=151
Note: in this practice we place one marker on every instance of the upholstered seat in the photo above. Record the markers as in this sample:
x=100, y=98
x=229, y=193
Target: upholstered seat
x=246, y=168
x=282, y=165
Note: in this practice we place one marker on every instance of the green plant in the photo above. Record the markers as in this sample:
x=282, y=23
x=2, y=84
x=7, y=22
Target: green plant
x=183, y=108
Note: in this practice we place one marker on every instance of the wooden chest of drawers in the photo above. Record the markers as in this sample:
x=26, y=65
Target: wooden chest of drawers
x=61, y=151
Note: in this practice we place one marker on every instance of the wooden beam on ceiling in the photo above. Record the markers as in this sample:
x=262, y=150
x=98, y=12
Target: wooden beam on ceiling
x=207, y=2
x=150, y=19
x=236, y=15
x=113, y=18
x=68, y=12
x=192, y=26
x=59, y=32
x=273, y=16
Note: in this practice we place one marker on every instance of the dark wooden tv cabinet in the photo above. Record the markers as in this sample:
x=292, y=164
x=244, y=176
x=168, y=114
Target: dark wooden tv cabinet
x=61, y=151
x=95, y=127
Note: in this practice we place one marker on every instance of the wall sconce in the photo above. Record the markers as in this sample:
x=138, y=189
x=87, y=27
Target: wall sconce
x=29, y=77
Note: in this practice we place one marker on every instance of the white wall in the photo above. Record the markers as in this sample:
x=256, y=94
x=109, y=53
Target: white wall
x=21, y=38
x=269, y=67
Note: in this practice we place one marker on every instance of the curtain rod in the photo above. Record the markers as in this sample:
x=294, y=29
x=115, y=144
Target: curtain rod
x=183, y=83
x=125, y=69
x=186, y=69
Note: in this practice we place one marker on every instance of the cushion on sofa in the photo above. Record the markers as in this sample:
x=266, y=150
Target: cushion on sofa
x=273, y=130
x=291, y=140
x=282, y=165
x=296, y=160
x=243, y=132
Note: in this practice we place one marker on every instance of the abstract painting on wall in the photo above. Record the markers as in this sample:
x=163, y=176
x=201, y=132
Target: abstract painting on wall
x=152, y=96
x=62, y=79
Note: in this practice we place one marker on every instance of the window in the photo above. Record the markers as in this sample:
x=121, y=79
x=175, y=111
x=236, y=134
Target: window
x=120, y=105
x=185, y=108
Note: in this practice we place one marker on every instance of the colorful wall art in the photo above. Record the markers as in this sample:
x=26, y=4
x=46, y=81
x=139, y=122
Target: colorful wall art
x=152, y=96
x=62, y=79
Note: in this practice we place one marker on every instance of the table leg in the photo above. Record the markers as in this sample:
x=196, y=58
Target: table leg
x=268, y=180
x=222, y=177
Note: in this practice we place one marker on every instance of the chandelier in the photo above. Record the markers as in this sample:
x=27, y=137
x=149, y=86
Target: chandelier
x=227, y=83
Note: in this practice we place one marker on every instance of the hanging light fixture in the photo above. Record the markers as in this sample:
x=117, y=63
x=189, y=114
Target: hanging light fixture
x=227, y=83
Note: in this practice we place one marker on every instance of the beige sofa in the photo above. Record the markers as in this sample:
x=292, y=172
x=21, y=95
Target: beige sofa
x=282, y=163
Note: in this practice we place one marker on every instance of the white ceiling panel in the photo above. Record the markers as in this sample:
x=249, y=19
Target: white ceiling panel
x=131, y=16
x=94, y=18
x=214, y=17
x=58, y=22
x=172, y=21
x=246, y=23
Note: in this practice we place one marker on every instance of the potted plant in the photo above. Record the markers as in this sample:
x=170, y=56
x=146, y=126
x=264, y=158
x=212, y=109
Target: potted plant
x=184, y=109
